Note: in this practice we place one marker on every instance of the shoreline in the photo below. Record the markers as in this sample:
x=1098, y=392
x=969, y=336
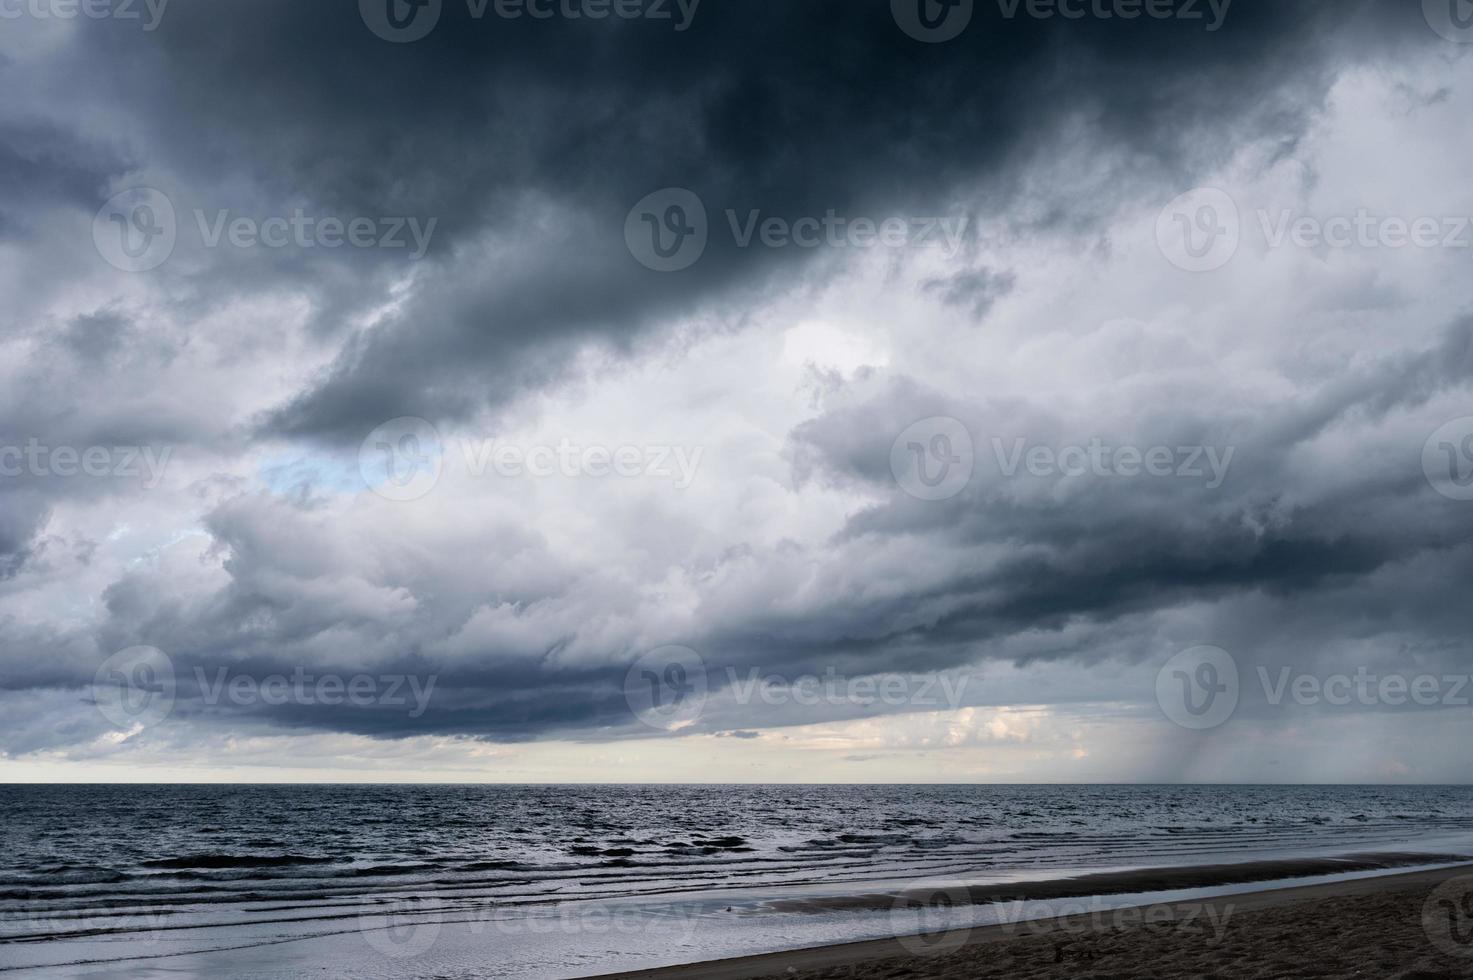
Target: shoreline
x=1300, y=908
x=1132, y=881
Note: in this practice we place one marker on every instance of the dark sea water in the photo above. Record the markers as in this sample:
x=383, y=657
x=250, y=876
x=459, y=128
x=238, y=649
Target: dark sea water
x=576, y=880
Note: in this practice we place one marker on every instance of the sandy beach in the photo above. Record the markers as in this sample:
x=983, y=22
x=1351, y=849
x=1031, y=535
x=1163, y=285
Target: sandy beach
x=1414, y=926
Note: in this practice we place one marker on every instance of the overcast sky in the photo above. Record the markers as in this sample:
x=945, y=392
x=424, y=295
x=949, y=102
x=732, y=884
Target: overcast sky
x=447, y=392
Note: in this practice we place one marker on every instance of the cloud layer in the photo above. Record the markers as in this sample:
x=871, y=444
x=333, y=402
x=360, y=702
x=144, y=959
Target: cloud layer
x=1134, y=458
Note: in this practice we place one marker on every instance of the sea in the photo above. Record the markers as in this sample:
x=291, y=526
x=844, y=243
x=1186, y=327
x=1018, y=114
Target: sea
x=465, y=881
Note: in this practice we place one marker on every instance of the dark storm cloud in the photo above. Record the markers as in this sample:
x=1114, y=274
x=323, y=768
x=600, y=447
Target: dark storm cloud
x=21, y=520
x=1376, y=557
x=1111, y=550
x=531, y=140
x=976, y=290
x=87, y=388
x=41, y=162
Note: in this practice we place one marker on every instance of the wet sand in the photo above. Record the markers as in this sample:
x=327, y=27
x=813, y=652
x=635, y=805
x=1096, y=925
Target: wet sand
x=1133, y=881
x=1416, y=926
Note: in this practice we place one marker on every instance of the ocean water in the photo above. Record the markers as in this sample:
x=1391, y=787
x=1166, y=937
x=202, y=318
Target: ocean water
x=550, y=881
